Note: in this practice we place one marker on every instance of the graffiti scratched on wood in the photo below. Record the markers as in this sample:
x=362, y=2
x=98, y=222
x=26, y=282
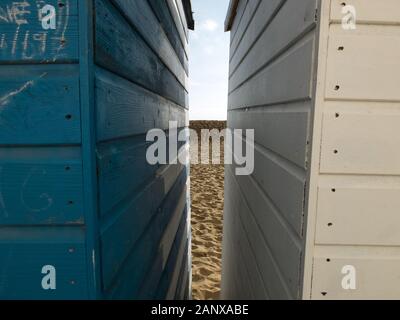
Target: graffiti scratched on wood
x=34, y=30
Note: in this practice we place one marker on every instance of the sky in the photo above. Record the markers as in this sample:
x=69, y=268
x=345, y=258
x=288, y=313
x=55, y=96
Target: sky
x=209, y=61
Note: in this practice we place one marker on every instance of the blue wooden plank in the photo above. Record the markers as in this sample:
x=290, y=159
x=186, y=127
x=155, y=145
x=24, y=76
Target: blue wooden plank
x=39, y=105
x=87, y=89
x=158, y=278
x=41, y=186
x=165, y=19
x=170, y=279
x=25, y=251
x=123, y=170
x=140, y=15
x=122, y=50
x=138, y=253
x=125, y=109
x=23, y=38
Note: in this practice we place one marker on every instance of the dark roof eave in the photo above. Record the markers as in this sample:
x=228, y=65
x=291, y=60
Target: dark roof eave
x=230, y=17
x=187, y=5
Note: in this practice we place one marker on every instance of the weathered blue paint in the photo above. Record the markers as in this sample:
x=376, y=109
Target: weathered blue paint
x=76, y=192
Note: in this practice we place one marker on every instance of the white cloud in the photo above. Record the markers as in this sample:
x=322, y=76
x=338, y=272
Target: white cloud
x=209, y=25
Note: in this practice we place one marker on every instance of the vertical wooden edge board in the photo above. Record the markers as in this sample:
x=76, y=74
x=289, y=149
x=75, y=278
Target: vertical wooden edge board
x=320, y=51
x=86, y=47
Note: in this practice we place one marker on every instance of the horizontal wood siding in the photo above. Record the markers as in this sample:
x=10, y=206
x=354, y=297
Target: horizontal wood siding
x=356, y=168
x=42, y=216
x=121, y=49
x=271, y=90
x=140, y=84
x=24, y=40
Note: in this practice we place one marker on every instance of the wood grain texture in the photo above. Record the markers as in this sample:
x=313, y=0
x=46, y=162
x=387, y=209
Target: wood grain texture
x=23, y=39
x=39, y=105
x=153, y=209
x=141, y=16
x=167, y=22
x=122, y=50
x=25, y=251
x=125, y=109
x=45, y=189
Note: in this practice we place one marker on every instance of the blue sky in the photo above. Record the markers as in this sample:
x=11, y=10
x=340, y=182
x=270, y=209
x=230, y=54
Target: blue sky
x=209, y=61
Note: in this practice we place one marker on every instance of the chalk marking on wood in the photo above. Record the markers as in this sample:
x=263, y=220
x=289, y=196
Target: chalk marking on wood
x=62, y=39
x=45, y=196
x=14, y=47
x=18, y=10
x=3, y=43
x=6, y=98
x=3, y=15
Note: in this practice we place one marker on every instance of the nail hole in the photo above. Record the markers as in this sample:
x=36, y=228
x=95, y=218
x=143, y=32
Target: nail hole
x=324, y=293
x=70, y=203
x=341, y=48
x=61, y=5
x=68, y=117
x=333, y=190
x=68, y=168
x=343, y=4
x=337, y=88
x=330, y=224
x=328, y=260
x=335, y=151
x=337, y=115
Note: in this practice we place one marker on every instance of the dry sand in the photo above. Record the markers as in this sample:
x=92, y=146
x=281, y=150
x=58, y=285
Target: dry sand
x=207, y=192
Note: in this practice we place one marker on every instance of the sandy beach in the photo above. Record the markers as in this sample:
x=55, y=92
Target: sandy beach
x=207, y=193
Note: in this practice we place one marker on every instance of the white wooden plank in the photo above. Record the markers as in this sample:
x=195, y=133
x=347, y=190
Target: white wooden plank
x=358, y=214
x=361, y=143
x=270, y=274
x=240, y=9
x=288, y=79
x=265, y=12
x=377, y=277
x=173, y=8
x=283, y=244
x=284, y=132
x=243, y=23
x=284, y=31
x=363, y=67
